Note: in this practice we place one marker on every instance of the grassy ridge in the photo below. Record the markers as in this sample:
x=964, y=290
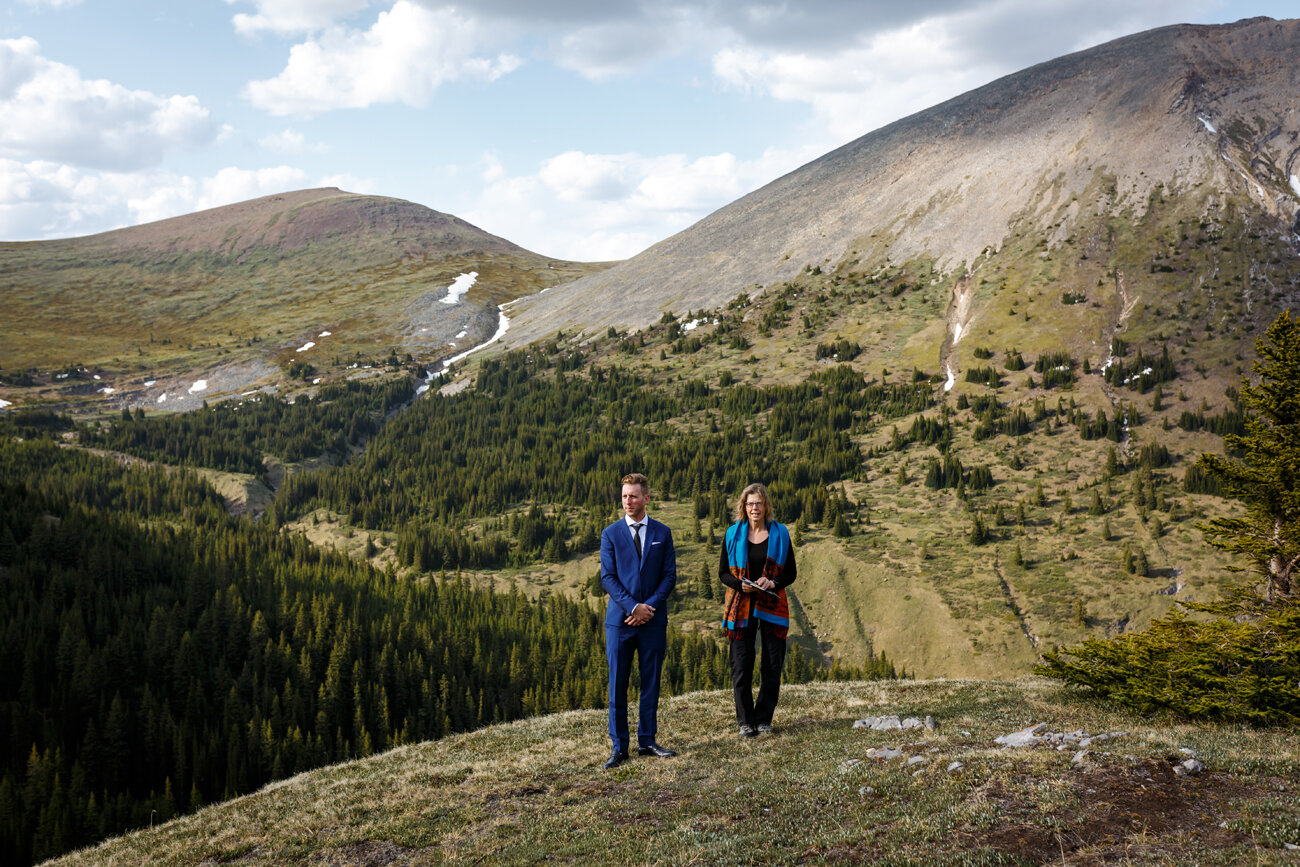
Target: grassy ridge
x=251, y=283
x=1192, y=275
x=517, y=793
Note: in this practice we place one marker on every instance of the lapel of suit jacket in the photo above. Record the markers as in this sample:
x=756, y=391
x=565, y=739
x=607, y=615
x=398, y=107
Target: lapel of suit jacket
x=626, y=551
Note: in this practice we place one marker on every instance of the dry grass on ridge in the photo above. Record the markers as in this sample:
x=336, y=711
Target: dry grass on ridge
x=534, y=789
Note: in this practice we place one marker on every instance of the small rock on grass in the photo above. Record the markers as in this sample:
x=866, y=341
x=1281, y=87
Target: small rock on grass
x=1026, y=737
x=893, y=721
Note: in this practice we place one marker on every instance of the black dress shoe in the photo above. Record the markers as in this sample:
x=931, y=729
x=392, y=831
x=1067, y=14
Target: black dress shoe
x=615, y=759
x=655, y=750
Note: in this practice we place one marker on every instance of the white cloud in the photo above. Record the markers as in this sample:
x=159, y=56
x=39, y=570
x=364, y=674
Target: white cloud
x=601, y=51
x=53, y=4
x=41, y=199
x=292, y=16
x=880, y=75
x=171, y=197
x=407, y=54
x=53, y=114
x=857, y=90
x=590, y=178
x=591, y=207
x=290, y=141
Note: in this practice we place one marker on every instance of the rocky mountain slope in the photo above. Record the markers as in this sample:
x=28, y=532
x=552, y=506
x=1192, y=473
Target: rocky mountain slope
x=1202, y=115
x=228, y=296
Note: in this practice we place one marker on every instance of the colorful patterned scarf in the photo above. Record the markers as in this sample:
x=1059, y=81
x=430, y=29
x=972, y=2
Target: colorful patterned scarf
x=773, y=612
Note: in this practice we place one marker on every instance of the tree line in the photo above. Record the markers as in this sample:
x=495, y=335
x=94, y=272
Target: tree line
x=531, y=432
x=158, y=655
x=234, y=436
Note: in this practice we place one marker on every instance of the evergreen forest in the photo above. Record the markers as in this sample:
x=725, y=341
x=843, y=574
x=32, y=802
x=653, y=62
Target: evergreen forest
x=159, y=654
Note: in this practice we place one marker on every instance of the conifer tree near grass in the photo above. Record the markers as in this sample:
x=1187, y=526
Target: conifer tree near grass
x=1267, y=478
x=1243, y=663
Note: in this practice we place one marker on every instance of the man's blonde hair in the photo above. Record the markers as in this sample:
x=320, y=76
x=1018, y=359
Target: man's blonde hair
x=638, y=479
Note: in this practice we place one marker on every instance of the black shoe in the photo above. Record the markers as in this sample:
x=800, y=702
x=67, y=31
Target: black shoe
x=748, y=732
x=655, y=750
x=615, y=759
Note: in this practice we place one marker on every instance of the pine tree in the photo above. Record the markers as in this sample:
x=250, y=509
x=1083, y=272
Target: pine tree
x=706, y=583
x=1267, y=478
x=1243, y=663
x=1140, y=566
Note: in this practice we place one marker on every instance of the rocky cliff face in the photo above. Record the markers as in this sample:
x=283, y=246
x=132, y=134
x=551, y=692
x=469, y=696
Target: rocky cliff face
x=1203, y=113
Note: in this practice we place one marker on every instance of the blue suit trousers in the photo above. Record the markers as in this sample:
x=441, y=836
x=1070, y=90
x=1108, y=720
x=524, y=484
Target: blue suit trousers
x=649, y=643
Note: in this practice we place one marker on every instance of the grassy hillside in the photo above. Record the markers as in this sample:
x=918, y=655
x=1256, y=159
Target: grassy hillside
x=1088, y=526
x=534, y=790
x=230, y=296
x=1071, y=506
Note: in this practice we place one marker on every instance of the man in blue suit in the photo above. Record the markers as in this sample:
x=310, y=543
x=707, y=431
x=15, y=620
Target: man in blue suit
x=638, y=568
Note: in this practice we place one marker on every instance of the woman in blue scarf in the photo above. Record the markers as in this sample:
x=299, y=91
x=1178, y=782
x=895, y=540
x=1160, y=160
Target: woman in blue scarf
x=757, y=565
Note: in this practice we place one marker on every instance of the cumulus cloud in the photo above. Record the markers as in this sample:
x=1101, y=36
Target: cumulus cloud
x=873, y=75
x=53, y=114
x=293, y=16
x=592, y=207
x=407, y=54
x=603, y=50
x=41, y=199
x=182, y=195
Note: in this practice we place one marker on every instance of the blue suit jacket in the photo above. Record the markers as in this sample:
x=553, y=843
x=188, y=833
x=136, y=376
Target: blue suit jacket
x=628, y=583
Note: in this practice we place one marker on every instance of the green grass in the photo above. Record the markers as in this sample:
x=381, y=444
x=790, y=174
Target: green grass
x=534, y=790
x=960, y=610
x=169, y=300
x=965, y=610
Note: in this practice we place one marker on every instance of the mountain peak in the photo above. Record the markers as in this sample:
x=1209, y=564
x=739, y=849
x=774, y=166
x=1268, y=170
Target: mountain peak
x=290, y=221
x=1098, y=131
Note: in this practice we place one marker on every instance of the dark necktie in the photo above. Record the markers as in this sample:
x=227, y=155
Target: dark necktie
x=636, y=539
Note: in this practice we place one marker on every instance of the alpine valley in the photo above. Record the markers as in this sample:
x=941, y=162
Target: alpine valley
x=261, y=510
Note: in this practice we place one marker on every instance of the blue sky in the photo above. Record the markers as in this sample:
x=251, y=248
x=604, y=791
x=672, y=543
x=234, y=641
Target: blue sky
x=581, y=129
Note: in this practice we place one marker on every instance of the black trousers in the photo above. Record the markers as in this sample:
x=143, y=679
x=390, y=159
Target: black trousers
x=748, y=711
